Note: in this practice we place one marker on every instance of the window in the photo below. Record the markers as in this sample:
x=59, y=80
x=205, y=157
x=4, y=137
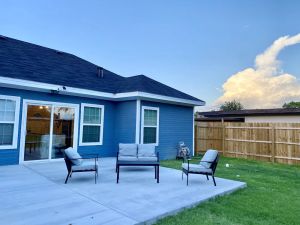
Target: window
x=91, y=124
x=9, y=121
x=150, y=125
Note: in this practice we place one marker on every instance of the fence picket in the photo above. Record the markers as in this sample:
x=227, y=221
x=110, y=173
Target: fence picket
x=275, y=142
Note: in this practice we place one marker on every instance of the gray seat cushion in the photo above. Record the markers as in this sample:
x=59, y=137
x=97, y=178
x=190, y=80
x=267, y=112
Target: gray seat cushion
x=86, y=165
x=73, y=156
x=146, y=150
x=209, y=156
x=196, y=168
x=147, y=158
x=128, y=158
x=127, y=149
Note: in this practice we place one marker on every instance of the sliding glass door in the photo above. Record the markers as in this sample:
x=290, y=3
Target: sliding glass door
x=50, y=129
x=63, y=130
x=37, y=132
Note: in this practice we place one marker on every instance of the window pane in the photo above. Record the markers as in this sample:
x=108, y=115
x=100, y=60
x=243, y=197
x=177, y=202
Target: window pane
x=149, y=135
x=92, y=115
x=150, y=117
x=91, y=134
x=7, y=110
x=10, y=105
x=63, y=129
x=6, y=134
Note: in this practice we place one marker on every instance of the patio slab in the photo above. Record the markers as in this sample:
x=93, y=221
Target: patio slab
x=36, y=194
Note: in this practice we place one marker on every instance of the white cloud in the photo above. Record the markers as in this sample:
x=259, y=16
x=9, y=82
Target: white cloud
x=264, y=85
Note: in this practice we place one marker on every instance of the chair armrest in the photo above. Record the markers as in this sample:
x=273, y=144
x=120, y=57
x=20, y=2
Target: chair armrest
x=208, y=161
x=188, y=161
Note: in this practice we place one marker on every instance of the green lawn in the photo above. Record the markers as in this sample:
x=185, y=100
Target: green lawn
x=272, y=196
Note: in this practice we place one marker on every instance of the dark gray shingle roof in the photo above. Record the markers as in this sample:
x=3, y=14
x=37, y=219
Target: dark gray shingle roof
x=23, y=60
x=251, y=112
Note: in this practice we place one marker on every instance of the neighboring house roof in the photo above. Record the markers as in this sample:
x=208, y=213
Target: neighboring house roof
x=250, y=112
x=219, y=119
x=30, y=62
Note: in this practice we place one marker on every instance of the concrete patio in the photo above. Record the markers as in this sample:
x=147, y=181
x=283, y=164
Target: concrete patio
x=36, y=194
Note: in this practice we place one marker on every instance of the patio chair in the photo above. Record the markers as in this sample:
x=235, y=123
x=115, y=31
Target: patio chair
x=77, y=163
x=207, y=166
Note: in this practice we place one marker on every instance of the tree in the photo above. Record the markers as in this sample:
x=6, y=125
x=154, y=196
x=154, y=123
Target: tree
x=291, y=105
x=231, y=106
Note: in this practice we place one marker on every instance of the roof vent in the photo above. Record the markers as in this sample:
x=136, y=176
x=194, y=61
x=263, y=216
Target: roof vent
x=58, y=52
x=100, y=72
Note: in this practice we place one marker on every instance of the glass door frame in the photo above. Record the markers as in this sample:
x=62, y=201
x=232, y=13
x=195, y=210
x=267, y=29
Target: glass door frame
x=27, y=102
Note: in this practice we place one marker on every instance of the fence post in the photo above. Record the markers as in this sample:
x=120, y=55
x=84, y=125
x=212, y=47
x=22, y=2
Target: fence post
x=273, y=144
x=195, y=139
x=223, y=136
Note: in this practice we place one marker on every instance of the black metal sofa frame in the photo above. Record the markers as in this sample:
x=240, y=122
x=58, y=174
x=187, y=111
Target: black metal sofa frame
x=120, y=163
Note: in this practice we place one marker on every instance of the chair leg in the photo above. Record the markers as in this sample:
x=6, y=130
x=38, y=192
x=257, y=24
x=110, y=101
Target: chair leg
x=95, y=176
x=157, y=178
x=71, y=174
x=118, y=171
x=214, y=180
x=207, y=177
x=155, y=171
x=187, y=179
x=66, y=181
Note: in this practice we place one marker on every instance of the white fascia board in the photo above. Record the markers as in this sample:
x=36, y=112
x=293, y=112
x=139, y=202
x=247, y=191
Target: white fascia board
x=66, y=90
x=39, y=86
x=170, y=99
x=27, y=85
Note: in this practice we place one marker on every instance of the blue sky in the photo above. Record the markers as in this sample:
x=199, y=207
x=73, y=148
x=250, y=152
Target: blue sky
x=194, y=46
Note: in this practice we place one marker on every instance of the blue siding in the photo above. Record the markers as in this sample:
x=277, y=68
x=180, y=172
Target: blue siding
x=11, y=156
x=125, y=122
x=175, y=124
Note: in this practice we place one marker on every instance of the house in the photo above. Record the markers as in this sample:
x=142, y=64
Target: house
x=51, y=100
x=280, y=115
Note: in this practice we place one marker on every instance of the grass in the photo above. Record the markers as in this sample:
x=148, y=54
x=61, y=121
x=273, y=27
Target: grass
x=272, y=196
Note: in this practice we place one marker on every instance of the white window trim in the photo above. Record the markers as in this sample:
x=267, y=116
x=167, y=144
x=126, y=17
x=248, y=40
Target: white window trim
x=82, y=124
x=16, y=122
x=157, y=126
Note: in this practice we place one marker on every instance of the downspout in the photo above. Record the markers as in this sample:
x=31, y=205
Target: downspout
x=138, y=121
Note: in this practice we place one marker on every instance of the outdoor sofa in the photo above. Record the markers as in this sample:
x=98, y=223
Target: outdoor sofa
x=207, y=165
x=137, y=155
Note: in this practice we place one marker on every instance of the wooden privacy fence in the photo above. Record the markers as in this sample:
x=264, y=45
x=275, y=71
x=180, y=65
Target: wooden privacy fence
x=275, y=142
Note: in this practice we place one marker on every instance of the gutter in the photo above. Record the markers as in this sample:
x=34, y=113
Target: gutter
x=66, y=90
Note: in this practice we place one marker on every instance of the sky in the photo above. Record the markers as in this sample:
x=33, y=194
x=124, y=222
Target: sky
x=214, y=50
